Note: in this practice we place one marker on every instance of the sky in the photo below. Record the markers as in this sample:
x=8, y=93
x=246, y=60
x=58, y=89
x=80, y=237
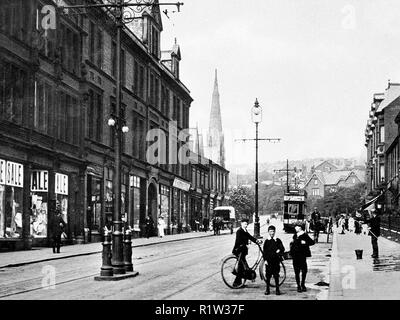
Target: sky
x=313, y=65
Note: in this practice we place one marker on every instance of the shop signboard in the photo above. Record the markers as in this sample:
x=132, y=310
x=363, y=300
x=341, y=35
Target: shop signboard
x=14, y=174
x=40, y=181
x=180, y=184
x=61, y=184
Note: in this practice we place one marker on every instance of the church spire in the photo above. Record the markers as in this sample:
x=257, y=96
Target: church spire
x=216, y=137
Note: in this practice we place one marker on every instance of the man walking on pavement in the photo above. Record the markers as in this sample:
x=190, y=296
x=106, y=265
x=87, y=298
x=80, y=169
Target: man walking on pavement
x=58, y=229
x=240, y=250
x=316, y=221
x=374, y=232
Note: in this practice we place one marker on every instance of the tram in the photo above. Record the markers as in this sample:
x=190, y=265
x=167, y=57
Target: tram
x=294, y=209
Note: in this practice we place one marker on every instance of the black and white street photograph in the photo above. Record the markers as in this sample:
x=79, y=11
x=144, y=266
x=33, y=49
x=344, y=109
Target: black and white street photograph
x=218, y=151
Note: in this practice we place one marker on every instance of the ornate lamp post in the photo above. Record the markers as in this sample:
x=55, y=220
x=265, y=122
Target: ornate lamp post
x=122, y=11
x=256, y=115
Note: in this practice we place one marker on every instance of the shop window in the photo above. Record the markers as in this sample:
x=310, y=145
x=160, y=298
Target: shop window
x=135, y=187
x=164, y=202
x=94, y=203
x=11, y=211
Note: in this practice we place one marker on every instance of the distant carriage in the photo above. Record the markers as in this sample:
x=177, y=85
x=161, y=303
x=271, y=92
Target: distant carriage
x=227, y=215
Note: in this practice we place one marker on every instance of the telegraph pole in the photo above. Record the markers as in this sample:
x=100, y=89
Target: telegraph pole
x=287, y=170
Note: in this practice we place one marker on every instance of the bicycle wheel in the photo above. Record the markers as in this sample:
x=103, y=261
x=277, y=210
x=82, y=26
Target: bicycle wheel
x=229, y=268
x=282, y=274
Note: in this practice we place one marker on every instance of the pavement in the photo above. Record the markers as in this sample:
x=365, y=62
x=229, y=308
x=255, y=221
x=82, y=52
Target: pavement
x=366, y=278
x=42, y=254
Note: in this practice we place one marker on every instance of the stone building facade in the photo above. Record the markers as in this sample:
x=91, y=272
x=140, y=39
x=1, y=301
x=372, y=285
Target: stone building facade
x=57, y=92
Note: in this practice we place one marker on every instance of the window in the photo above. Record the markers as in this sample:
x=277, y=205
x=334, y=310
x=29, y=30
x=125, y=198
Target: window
x=113, y=59
x=135, y=77
x=95, y=116
x=315, y=192
x=152, y=89
x=382, y=134
x=138, y=136
x=67, y=119
x=42, y=105
x=113, y=111
x=70, y=49
x=13, y=85
x=382, y=172
x=123, y=70
x=157, y=93
x=164, y=101
x=155, y=42
x=315, y=182
x=95, y=44
x=141, y=82
x=14, y=19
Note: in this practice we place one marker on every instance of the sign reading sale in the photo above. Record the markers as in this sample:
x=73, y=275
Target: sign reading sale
x=11, y=173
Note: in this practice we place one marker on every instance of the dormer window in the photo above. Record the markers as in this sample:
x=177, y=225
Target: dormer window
x=155, y=42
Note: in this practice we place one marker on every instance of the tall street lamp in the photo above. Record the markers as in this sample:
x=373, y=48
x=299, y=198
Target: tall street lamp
x=123, y=11
x=256, y=116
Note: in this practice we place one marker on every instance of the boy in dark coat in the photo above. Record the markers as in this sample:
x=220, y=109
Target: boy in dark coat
x=273, y=252
x=300, y=250
x=240, y=250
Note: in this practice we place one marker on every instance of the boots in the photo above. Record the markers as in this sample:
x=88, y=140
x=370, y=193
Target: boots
x=303, y=281
x=267, y=291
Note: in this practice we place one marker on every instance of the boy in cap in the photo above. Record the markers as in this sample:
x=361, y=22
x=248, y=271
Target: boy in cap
x=273, y=252
x=300, y=250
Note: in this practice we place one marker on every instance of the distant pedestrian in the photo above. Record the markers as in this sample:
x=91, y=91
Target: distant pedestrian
x=316, y=223
x=205, y=224
x=160, y=226
x=342, y=224
x=374, y=233
x=357, y=227
x=300, y=250
x=352, y=226
x=58, y=229
x=149, y=222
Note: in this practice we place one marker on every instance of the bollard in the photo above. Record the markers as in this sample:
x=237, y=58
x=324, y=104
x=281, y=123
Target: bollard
x=128, y=251
x=106, y=268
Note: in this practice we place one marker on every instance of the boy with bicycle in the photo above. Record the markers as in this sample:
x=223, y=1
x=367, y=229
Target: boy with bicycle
x=273, y=252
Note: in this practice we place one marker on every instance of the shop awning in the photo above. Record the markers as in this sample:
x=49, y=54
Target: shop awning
x=371, y=203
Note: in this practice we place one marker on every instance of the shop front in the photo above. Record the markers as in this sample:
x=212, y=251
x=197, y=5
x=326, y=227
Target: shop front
x=39, y=218
x=165, y=192
x=11, y=204
x=135, y=204
x=179, y=215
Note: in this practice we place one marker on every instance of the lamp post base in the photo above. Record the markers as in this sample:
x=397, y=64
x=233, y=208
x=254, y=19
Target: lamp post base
x=257, y=230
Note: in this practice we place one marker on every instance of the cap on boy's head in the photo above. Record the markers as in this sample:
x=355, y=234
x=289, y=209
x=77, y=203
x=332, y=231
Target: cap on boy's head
x=245, y=220
x=271, y=228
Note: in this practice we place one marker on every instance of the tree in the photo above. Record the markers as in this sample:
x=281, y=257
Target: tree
x=270, y=199
x=242, y=199
x=344, y=200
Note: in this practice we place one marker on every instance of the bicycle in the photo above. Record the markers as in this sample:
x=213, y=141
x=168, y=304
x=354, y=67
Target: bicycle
x=230, y=265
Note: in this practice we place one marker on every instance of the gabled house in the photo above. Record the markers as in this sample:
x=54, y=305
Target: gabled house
x=320, y=183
